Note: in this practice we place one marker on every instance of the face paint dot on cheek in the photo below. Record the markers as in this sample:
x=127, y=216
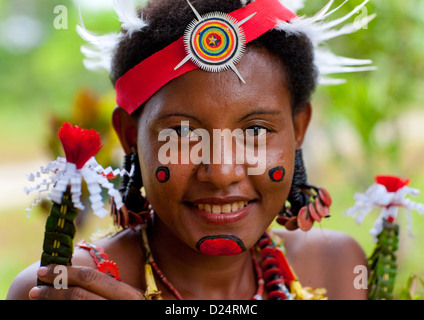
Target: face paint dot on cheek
x=221, y=245
x=162, y=174
x=277, y=174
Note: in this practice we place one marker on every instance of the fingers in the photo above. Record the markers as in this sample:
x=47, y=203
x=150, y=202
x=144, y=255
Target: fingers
x=46, y=292
x=82, y=283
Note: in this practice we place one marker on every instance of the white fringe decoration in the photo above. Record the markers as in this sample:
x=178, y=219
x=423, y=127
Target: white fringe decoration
x=63, y=174
x=377, y=196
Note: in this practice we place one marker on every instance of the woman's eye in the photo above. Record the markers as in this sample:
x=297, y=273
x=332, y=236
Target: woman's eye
x=184, y=132
x=256, y=131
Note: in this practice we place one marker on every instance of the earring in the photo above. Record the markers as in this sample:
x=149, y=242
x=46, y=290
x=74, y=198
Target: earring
x=136, y=207
x=305, y=203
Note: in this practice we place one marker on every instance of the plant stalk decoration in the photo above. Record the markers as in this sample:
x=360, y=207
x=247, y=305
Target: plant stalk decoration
x=65, y=176
x=388, y=193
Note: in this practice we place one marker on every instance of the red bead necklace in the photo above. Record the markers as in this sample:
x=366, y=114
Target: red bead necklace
x=273, y=273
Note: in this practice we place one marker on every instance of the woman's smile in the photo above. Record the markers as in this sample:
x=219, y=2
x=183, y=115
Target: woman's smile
x=221, y=211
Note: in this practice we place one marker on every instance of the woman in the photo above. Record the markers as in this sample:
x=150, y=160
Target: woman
x=208, y=215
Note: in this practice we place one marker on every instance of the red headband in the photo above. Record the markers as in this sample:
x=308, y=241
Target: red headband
x=137, y=85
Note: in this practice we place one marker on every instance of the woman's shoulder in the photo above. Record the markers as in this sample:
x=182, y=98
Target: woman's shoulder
x=115, y=246
x=324, y=258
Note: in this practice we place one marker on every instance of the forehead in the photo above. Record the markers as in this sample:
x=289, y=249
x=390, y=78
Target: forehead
x=263, y=73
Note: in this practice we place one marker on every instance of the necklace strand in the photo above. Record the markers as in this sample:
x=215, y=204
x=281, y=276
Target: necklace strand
x=269, y=273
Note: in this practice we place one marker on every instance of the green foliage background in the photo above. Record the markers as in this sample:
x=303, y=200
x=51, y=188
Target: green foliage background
x=41, y=85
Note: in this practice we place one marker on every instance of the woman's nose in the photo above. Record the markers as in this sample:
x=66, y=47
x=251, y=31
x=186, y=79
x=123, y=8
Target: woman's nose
x=224, y=167
x=221, y=175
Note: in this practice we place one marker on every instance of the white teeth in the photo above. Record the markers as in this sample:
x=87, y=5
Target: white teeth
x=216, y=208
x=224, y=208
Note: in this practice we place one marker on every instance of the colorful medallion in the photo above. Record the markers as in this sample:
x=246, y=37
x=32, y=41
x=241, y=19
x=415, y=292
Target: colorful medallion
x=214, y=42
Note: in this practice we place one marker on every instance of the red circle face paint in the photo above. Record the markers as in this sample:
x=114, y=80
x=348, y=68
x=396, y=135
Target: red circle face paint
x=162, y=174
x=277, y=174
x=222, y=245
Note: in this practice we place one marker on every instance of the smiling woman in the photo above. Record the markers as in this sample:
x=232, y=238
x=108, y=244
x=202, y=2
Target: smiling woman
x=204, y=225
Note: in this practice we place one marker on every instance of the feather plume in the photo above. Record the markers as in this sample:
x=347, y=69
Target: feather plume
x=319, y=30
x=128, y=16
x=99, y=50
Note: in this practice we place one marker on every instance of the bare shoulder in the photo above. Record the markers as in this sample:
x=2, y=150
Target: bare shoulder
x=326, y=258
x=27, y=279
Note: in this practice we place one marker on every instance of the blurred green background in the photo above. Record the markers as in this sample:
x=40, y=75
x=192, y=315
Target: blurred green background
x=371, y=125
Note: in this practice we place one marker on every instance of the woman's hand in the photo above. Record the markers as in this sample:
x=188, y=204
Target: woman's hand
x=83, y=283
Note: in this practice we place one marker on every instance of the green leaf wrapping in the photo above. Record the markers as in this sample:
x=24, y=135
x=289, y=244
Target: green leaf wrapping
x=59, y=234
x=383, y=263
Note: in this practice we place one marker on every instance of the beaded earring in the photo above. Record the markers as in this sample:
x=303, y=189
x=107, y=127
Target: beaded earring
x=136, y=207
x=306, y=203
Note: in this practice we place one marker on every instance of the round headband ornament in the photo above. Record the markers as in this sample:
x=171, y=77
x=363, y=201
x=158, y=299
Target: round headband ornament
x=215, y=41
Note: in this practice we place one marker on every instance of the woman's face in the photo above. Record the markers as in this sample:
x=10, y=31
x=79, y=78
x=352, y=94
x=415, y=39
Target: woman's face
x=221, y=199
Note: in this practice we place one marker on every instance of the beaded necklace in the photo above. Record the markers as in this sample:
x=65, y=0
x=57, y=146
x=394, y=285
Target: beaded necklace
x=273, y=273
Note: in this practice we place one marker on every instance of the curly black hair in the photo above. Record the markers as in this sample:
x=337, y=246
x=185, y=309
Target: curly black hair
x=168, y=19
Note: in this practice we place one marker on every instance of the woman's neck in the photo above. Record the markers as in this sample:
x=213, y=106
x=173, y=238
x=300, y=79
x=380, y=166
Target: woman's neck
x=199, y=276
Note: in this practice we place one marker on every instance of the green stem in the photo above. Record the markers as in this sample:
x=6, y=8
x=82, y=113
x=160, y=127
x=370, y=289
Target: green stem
x=59, y=234
x=383, y=263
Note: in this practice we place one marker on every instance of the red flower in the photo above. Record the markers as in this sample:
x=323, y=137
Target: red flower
x=79, y=144
x=392, y=183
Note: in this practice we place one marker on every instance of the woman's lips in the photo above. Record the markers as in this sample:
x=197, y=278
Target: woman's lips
x=224, y=213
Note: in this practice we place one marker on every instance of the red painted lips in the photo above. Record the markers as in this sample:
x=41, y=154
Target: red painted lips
x=222, y=245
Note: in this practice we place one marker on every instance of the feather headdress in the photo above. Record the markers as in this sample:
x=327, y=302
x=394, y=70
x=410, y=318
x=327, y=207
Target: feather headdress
x=318, y=28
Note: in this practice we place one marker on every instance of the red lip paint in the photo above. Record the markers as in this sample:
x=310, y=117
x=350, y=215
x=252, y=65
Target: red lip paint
x=223, y=245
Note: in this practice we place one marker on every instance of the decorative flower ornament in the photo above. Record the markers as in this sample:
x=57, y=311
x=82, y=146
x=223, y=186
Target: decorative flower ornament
x=64, y=184
x=388, y=193
x=80, y=147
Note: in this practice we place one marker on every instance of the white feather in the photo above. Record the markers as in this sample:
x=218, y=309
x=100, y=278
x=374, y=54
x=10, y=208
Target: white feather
x=319, y=30
x=100, y=49
x=128, y=16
